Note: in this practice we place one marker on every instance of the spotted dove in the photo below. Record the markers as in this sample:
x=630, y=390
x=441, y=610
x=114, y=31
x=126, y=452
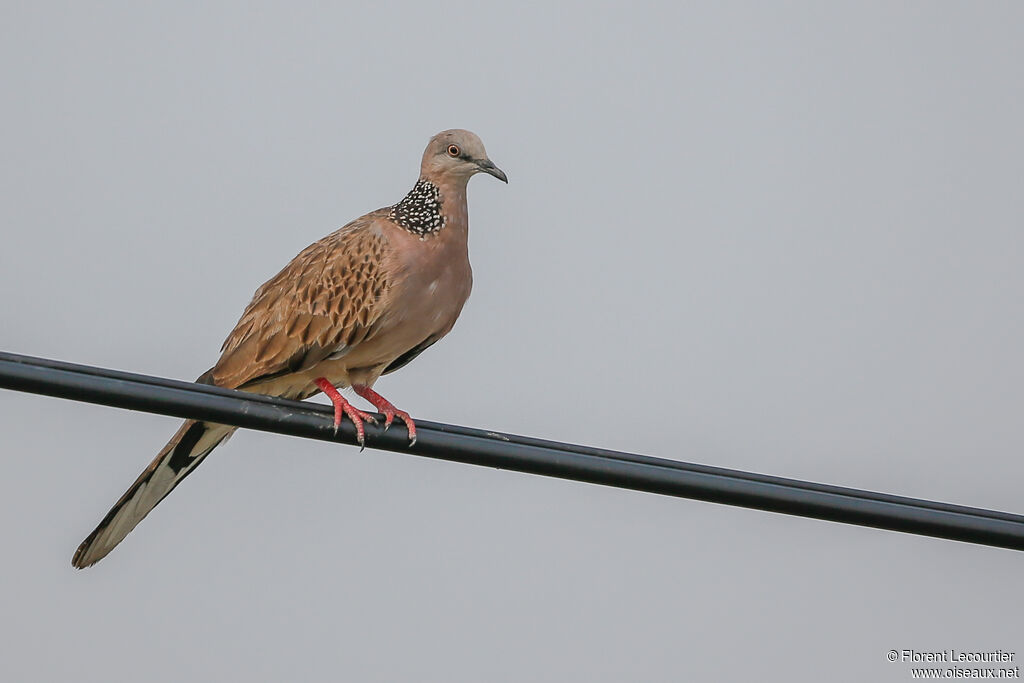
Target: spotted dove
x=360, y=303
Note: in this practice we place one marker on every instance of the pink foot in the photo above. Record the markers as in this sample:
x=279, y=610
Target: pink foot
x=343, y=407
x=389, y=411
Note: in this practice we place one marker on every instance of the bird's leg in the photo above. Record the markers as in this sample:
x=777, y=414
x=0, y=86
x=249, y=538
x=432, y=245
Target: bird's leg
x=343, y=407
x=389, y=411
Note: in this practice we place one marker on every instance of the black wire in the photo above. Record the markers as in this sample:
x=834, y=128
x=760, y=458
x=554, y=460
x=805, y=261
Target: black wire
x=524, y=454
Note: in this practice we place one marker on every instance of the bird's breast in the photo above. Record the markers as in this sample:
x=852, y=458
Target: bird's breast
x=432, y=280
x=435, y=287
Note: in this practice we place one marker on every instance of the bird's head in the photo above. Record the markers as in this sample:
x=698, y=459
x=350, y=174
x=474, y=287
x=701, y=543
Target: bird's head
x=457, y=155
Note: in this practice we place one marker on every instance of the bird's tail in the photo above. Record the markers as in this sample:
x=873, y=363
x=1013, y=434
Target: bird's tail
x=176, y=460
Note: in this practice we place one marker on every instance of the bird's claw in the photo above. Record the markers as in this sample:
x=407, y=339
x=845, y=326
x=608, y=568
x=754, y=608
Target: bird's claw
x=342, y=407
x=388, y=410
x=390, y=413
x=358, y=417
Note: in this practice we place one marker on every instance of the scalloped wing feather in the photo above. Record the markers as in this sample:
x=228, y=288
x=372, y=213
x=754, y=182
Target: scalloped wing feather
x=326, y=300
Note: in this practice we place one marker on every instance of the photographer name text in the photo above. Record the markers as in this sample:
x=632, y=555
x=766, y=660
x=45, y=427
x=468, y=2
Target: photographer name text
x=953, y=655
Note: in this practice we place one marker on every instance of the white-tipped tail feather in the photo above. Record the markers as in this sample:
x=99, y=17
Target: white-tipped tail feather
x=176, y=460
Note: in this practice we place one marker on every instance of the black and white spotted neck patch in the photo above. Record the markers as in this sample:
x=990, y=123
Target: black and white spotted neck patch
x=420, y=211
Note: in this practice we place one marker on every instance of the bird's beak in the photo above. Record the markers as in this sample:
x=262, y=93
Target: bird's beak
x=488, y=167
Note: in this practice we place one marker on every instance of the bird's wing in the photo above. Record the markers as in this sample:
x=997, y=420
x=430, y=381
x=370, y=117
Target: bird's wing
x=326, y=301
x=323, y=302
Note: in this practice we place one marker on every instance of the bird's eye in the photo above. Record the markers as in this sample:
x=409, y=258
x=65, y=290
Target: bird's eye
x=453, y=150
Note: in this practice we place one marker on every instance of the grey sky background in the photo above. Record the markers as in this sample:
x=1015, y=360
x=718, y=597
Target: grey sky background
x=782, y=237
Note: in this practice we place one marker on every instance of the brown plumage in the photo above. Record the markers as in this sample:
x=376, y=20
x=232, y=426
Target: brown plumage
x=328, y=298
x=361, y=302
